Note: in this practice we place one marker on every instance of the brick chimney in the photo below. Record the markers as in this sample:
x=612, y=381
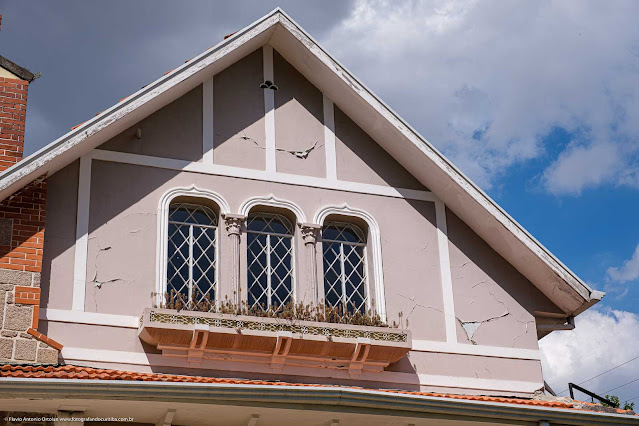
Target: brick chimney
x=22, y=220
x=14, y=85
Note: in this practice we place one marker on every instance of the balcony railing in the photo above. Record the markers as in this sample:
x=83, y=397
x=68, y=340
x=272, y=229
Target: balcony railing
x=199, y=336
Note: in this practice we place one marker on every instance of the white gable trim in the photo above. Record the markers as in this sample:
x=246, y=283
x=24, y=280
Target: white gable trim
x=269, y=110
x=261, y=175
x=450, y=319
x=82, y=235
x=208, y=127
x=329, y=138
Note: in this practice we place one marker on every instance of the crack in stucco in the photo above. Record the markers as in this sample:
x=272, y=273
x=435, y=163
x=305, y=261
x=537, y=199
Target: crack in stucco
x=471, y=327
x=479, y=283
x=303, y=155
x=424, y=247
x=95, y=280
x=525, y=329
x=416, y=305
x=501, y=302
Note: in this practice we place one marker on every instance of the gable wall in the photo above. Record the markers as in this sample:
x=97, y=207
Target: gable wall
x=238, y=111
x=122, y=208
x=299, y=122
x=174, y=131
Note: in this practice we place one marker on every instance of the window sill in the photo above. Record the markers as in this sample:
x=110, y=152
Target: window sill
x=199, y=336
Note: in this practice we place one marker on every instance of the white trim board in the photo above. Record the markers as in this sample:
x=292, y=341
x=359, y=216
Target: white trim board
x=238, y=172
x=90, y=318
x=144, y=359
x=476, y=350
x=269, y=110
x=82, y=234
x=329, y=138
x=128, y=321
x=208, y=127
x=450, y=319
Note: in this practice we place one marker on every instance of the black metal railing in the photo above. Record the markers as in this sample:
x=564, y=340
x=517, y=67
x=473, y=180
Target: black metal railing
x=590, y=394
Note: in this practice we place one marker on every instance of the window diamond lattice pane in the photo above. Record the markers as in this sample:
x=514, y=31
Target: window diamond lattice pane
x=191, y=256
x=344, y=266
x=270, y=260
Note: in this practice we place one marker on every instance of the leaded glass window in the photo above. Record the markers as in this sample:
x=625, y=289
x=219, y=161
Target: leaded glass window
x=192, y=261
x=344, y=259
x=270, y=260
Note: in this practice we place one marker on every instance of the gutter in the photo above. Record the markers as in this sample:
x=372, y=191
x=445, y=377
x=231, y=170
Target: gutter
x=318, y=398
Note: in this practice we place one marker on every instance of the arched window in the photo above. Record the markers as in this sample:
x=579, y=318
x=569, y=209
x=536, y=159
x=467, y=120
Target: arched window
x=191, y=252
x=344, y=258
x=270, y=260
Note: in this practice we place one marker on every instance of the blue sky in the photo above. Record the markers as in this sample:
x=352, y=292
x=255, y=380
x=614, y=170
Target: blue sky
x=536, y=101
x=590, y=232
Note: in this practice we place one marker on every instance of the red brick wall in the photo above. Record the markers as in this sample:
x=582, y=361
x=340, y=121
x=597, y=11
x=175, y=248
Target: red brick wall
x=27, y=209
x=13, y=110
x=27, y=206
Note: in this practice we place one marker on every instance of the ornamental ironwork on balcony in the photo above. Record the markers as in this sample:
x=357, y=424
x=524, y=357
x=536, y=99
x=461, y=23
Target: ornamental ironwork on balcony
x=201, y=336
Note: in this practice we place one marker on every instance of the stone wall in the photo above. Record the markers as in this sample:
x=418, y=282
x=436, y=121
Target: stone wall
x=22, y=217
x=20, y=341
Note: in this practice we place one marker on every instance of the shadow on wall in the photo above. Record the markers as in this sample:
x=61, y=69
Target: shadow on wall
x=500, y=292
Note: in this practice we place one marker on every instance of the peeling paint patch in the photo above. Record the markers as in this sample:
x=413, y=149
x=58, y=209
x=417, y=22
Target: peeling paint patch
x=470, y=327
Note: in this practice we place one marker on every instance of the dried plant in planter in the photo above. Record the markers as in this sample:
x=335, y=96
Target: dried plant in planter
x=290, y=311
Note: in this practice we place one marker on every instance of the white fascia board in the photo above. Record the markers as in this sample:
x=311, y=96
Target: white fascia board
x=453, y=177
x=109, y=123
x=336, y=399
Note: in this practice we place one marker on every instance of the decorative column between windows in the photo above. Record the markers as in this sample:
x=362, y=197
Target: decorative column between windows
x=310, y=233
x=233, y=224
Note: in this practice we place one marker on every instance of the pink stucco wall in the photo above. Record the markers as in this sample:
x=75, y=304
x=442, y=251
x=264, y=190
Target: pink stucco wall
x=179, y=124
x=238, y=110
x=299, y=122
x=123, y=224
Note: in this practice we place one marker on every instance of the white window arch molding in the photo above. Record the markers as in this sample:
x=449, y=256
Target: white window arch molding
x=376, y=247
x=272, y=201
x=163, y=225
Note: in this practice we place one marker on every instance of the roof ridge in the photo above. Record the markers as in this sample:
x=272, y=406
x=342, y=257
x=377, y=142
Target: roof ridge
x=16, y=69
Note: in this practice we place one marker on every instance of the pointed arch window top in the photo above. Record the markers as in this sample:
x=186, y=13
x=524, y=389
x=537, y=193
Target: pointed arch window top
x=193, y=214
x=269, y=223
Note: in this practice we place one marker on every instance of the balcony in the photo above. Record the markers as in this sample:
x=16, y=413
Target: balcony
x=199, y=336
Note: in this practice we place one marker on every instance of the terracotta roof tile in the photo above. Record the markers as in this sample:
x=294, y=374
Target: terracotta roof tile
x=90, y=373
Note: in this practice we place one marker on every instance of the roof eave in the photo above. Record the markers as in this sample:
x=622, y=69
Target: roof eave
x=16, y=69
x=322, y=398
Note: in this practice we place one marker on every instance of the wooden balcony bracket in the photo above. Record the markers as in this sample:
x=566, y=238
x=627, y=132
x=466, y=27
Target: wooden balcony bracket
x=362, y=348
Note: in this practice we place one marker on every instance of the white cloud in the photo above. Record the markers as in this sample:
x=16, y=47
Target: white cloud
x=579, y=167
x=628, y=271
x=486, y=81
x=600, y=341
